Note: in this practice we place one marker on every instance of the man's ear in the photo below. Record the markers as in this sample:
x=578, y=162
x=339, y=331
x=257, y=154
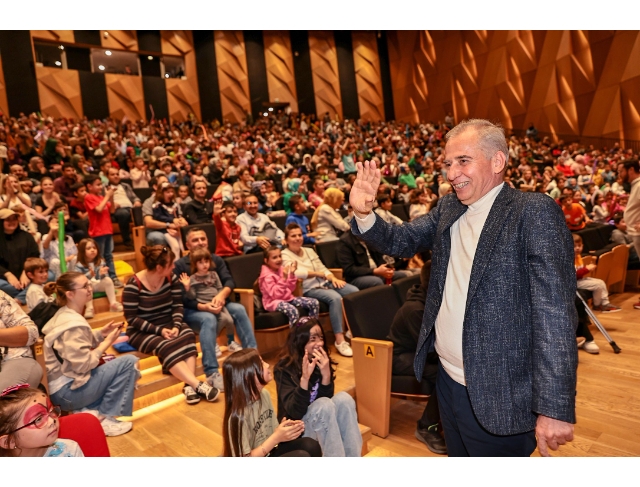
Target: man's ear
x=5, y=443
x=499, y=162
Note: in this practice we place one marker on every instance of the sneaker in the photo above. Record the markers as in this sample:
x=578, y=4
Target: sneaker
x=215, y=380
x=112, y=427
x=88, y=312
x=347, y=335
x=637, y=305
x=344, y=349
x=580, y=341
x=191, y=396
x=218, y=351
x=610, y=308
x=116, y=307
x=117, y=283
x=92, y=412
x=591, y=347
x=234, y=347
x=431, y=438
x=208, y=392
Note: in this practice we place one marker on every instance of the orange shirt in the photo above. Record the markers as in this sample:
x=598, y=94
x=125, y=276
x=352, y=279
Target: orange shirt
x=575, y=216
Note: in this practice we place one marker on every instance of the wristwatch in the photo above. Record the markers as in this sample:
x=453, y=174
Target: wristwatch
x=168, y=224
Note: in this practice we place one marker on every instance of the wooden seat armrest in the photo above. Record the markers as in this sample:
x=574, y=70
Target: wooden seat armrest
x=337, y=272
x=246, y=300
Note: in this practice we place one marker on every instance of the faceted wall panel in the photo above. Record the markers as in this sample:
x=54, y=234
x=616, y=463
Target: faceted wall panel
x=368, y=80
x=54, y=35
x=232, y=75
x=59, y=92
x=324, y=64
x=182, y=94
x=4, y=104
x=119, y=39
x=280, y=73
x=565, y=82
x=125, y=96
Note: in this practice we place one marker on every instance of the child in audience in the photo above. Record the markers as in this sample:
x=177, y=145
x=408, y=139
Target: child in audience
x=167, y=210
x=419, y=204
x=29, y=425
x=228, y=241
x=26, y=222
x=51, y=250
x=250, y=427
x=305, y=377
x=92, y=265
x=37, y=270
x=277, y=283
x=384, y=210
x=99, y=209
x=183, y=195
x=597, y=286
x=204, y=285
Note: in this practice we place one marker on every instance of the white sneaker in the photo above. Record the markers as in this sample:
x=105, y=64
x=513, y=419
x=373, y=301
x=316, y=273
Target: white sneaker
x=344, y=349
x=591, y=347
x=190, y=395
x=218, y=351
x=215, y=380
x=116, y=307
x=92, y=412
x=234, y=346
x=113, y=427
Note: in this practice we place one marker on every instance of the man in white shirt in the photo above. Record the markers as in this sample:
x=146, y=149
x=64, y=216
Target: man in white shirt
x=500, y=308
x=629, y=172
x=257, y=230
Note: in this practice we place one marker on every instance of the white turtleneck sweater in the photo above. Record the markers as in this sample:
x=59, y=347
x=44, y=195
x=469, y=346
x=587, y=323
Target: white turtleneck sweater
x=465, y=234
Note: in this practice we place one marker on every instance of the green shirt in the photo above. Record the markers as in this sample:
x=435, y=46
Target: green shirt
x=407, y=179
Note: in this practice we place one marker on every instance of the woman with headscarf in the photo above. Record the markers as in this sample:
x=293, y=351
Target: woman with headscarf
x=292, y=188
x=326, y=221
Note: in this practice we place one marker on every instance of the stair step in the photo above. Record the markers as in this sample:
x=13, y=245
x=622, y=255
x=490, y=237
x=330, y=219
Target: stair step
x=101, y=319
x=378, y=451
x=365, y=431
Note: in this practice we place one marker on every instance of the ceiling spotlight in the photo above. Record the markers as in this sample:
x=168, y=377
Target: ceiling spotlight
x=150, y=58
x=61, y=47
x=166, y=75
x=101, y=67
x=58, y=63
x=108, y=53
x=265, y=114
x=106, y=34
x=270, y=109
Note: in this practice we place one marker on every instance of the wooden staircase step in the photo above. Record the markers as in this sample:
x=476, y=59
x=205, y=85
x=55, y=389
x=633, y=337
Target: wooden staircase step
x=378, y=451
x=365, y=431
x=101, y=319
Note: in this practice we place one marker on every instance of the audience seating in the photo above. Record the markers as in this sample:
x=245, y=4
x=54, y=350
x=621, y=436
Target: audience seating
x=605, y=262
x=279, y=221
x=596, y=238
x=618, y=273
x=211, y=189
x=328, y=251
x=143, y=193
x=401, y=286
x=401, y=211
x=369, y=314
x=86, y=431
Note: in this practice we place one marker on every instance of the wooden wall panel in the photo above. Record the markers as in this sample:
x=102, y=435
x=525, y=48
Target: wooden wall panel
x=368, y=80
x=54, y=35
x=4, y=103
x=324, y=64
x=565, y=82
x=125, y=96
x=280, y=72
x=59, y=92
x=126, y=40
x=232, y=75
x=182, y=95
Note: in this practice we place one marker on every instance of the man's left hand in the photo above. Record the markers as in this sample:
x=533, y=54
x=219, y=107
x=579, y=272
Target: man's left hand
x=551, y=433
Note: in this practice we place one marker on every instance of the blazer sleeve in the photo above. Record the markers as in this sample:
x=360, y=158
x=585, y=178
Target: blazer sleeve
x=550, y=258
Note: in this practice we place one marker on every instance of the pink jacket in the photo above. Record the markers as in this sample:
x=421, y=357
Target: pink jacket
x=275, y=288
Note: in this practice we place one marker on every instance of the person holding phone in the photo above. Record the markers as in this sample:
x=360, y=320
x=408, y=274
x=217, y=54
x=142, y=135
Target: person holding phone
x=79, y=378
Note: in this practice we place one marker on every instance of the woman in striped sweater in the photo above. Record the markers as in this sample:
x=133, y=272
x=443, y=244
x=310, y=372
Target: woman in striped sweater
x=152, y=302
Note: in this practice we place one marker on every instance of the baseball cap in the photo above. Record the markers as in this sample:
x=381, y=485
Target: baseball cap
x=6, y=213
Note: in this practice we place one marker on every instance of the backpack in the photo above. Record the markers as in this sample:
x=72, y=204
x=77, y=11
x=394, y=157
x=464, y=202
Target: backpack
x=42, y=313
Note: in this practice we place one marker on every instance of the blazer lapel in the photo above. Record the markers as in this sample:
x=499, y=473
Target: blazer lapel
x=488, y=238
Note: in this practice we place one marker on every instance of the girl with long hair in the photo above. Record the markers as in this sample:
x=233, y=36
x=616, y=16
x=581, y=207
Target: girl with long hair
x=326, y=221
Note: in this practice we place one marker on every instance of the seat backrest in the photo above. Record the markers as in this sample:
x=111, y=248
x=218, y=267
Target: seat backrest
x=209, y=229
x=327, y=251
x=370, y=312
x=136, y=211
x=605, y=263
x=401, y=286
x=279, y=221
x=143, y=193
x=210, y=190
x=592, y=238
x=619, y=264
x=399, y=210
x=85, y=429
x=245, y=269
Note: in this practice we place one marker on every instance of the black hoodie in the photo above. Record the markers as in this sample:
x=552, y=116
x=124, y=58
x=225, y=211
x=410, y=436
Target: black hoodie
x=293, y=400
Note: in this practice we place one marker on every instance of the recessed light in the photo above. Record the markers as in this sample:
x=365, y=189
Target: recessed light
x=150, y=58
x=101, y=67
x=265, y=114
x=108, y=53
x=61, y=47
x=166, y=75
x=270, y=109
x=58, y=63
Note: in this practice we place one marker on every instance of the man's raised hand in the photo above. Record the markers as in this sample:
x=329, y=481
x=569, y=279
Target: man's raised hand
x=365, y=188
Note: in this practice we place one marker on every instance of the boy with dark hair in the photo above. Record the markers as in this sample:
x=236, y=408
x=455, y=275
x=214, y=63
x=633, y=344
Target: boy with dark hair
x=99, y=209
x=384, y=210
x=296, y=203
x=228, y=241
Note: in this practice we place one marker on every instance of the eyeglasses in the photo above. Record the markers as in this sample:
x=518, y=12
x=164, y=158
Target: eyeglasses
x=42, y=419
x=251, y=203
x=86, y=286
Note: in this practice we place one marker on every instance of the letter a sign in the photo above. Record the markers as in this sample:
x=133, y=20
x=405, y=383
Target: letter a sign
x=369, y=351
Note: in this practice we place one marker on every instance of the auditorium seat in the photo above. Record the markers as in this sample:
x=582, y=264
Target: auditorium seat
x=369, y=315
x=401, y=286
x=618, y=273
x=596, y=238
x=400, y=210
x=327, y=251
x=279, y=221
x=143, y=193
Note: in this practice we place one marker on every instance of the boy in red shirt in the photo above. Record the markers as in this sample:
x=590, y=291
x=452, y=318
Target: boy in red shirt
x=227, y=230
x=99, y=209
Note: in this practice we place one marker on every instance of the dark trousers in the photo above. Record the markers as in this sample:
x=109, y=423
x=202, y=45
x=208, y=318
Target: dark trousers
x=465, y=436
x=403, y=365
x=122, y=217
x=300, y=447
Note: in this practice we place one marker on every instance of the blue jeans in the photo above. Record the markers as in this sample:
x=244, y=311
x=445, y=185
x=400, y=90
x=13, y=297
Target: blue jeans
x=205, y=324
x=20, y=295
x=333, y=422
x=157, y=238
x=333, y=298
x=105, y=246
x=365, y=282
x=109, y=390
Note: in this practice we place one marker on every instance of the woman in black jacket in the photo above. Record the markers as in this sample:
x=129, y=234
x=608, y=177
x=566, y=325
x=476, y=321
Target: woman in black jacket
x=305, y=382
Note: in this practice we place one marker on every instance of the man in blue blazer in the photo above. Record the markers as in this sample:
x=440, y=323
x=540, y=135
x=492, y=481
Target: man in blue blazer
x=500, y=307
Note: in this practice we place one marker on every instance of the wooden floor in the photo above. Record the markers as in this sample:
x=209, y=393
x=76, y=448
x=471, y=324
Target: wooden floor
x=608, y=407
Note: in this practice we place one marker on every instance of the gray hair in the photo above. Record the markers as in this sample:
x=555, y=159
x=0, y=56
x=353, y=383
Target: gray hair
x=490, y=136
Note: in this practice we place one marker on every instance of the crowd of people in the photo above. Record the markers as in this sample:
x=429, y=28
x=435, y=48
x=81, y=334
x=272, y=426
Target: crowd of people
x=84, y=174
